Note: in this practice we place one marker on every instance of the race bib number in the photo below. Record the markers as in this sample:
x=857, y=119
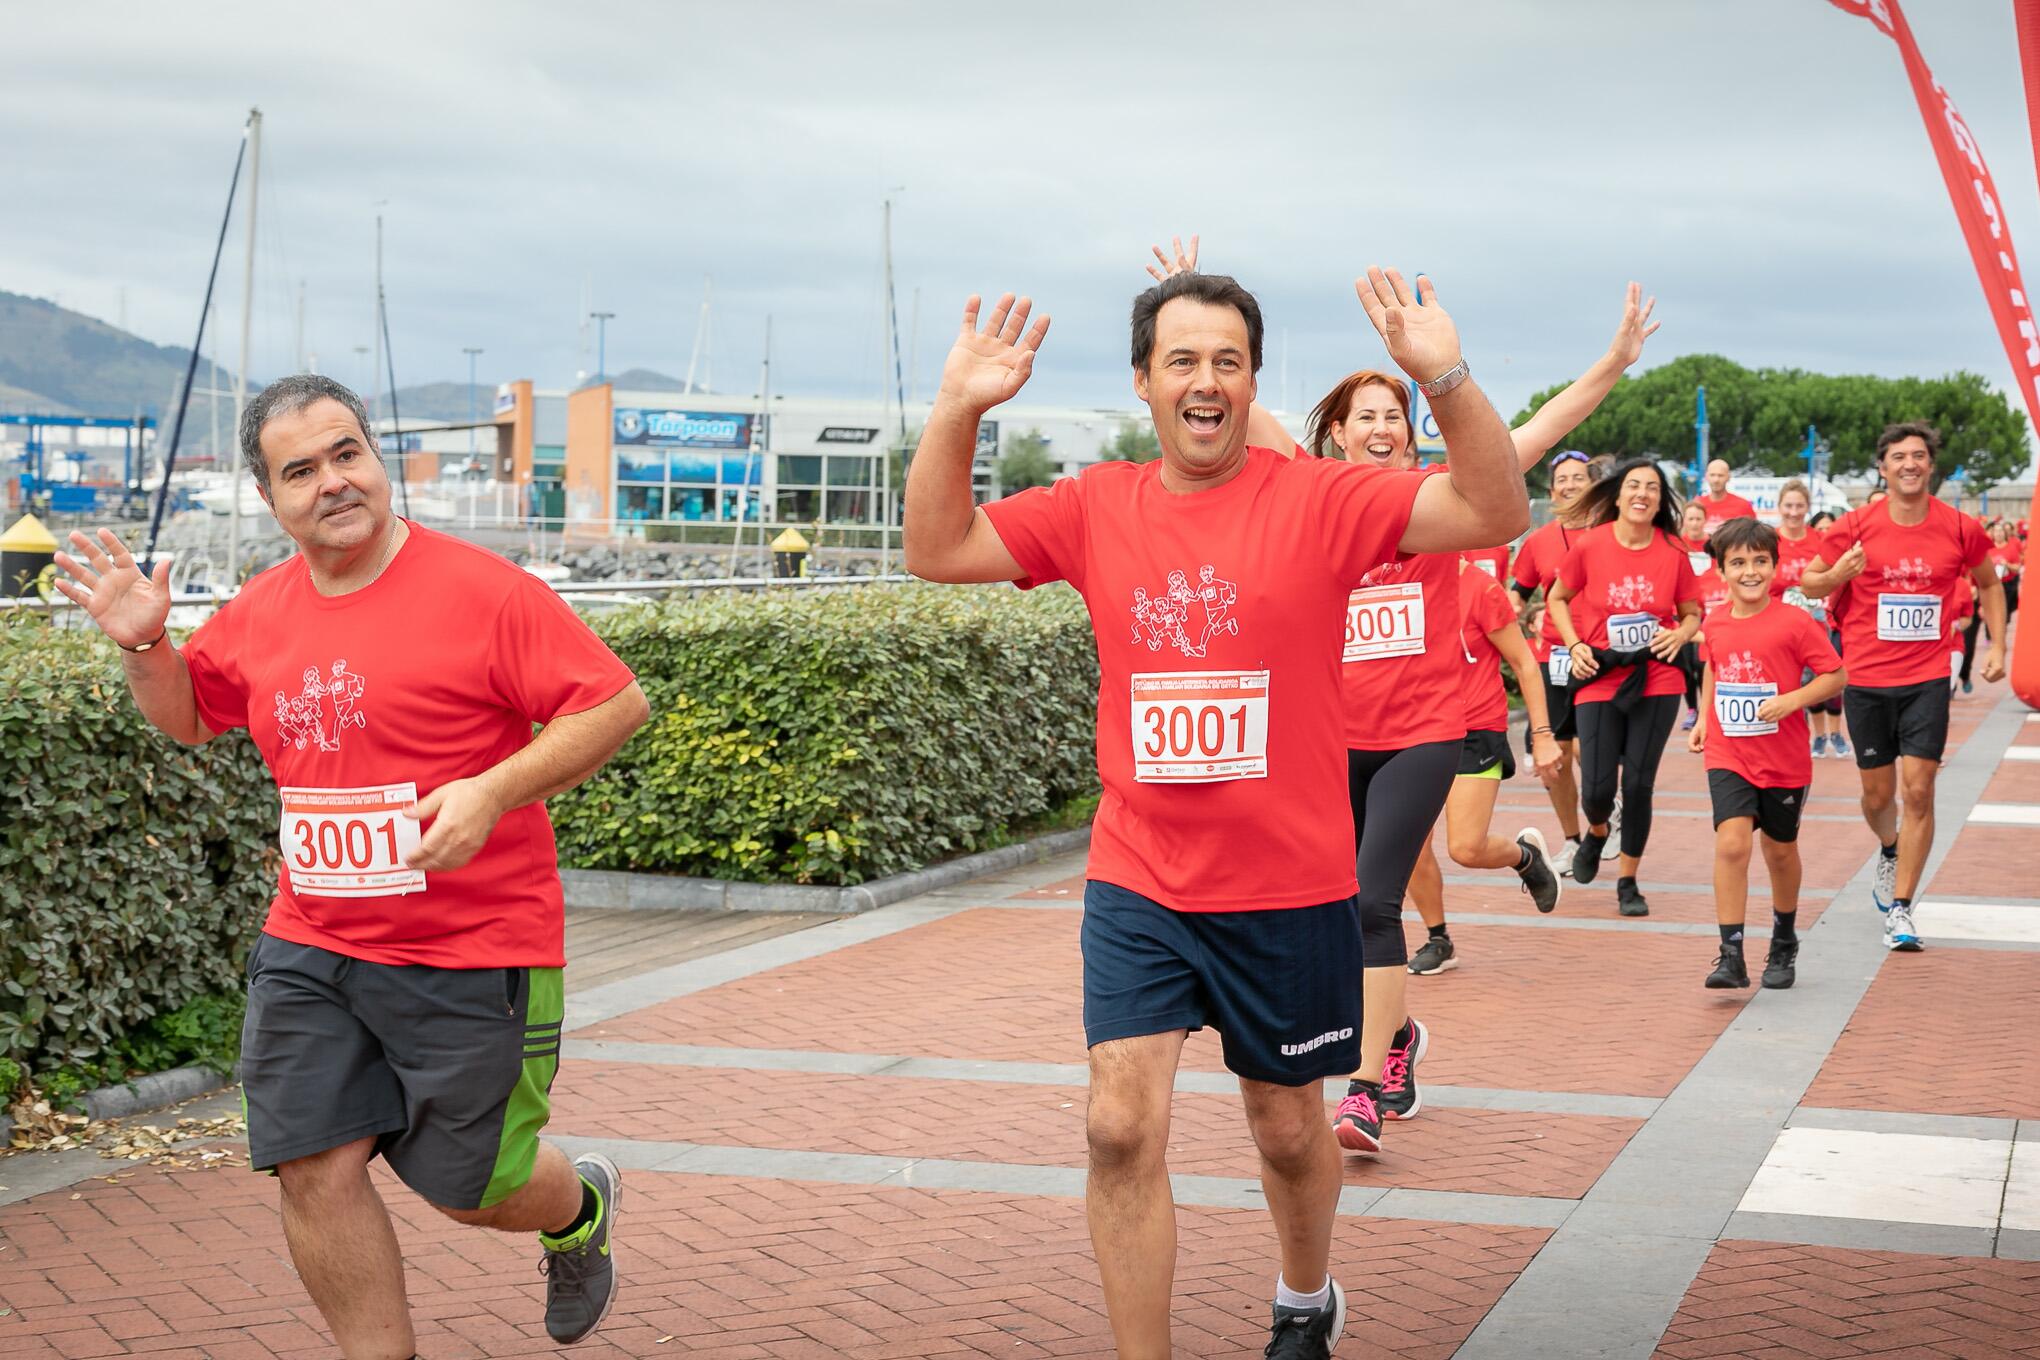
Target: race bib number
x=1631, y=632
x=1487, y=564
x=1701, y=562
x=1385, y=621
x=350, y=842
x=1735, y=708
x=1200, y=727
x=1558, y=666
x=1909, y=618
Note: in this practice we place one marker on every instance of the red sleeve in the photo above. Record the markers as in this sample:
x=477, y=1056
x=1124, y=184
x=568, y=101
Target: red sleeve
x=545, y=662
x=1573, y=570
x=1043, y=527
x=1363, y=511
x=216, y=684
x=1976, y=543
x=1527, y=561
x=1491, y=607
x=1816, y=652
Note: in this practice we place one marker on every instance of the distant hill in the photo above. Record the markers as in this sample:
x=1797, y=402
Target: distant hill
x=441, y=401
x=646, y=380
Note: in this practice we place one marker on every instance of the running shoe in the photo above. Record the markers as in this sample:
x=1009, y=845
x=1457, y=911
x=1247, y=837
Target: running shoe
x=1358, y=1121
x=1435, y=957
x=1572, y=845
x=580, y=1273
x=1540, y=879
x=1899, y=931
x=1779, y=970
x=1586, y=860
x=1820, y=745
x=1966, y=686
x=1399, y=1096
x=1613, y=846
x=1729, y=969
x=1884, y=886
x=1628, y=900
x=1692, y=717
x=1307, y=1333
x=1838, y=747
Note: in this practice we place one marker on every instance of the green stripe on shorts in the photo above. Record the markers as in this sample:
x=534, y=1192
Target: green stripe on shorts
x=530, y=1102
x=1493, y=771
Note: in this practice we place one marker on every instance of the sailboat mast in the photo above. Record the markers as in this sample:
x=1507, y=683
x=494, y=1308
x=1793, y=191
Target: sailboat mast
x=247, y=329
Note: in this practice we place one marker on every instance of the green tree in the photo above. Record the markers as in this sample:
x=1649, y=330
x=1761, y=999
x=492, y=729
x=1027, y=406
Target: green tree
x=1026, y=462
x=1135, y=443
x=1757, y=418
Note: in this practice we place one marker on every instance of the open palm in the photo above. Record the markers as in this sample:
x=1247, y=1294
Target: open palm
x=1636, y=327
x=986, y=367
x=129, y=607
x=1420, y=338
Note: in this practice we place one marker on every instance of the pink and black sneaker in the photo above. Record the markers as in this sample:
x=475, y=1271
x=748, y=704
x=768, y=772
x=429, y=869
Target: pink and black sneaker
x=1357, y=1122
x=1399, y=1098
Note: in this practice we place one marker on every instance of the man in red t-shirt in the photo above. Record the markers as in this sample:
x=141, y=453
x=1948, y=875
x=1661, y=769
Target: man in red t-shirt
x=1537, y=564
x=1220, y=893
x=1721, y=504
x=1900, y=558
x=404, y=997
x=1759, y=770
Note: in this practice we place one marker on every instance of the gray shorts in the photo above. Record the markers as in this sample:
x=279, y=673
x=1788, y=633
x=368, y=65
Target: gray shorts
x=449, y=1069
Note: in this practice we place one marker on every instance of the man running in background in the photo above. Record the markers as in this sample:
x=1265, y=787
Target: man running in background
x=404, y=997
x=1900, y=557
x=1202, y=754
x=1721, y=504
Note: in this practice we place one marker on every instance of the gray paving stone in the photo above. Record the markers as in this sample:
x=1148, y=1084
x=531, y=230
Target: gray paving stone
x=1891, y=1121
x=1446, y=1206
x=1858, y=1234
x=2018, y=1244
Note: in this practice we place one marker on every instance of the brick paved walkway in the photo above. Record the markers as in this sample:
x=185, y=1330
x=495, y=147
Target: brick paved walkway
x=865, y=1139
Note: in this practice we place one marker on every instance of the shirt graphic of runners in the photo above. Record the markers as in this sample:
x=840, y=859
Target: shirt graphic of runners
x=302, y=720
x=1170, y=616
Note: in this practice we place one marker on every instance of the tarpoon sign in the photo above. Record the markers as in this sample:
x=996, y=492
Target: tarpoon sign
x=683, y=429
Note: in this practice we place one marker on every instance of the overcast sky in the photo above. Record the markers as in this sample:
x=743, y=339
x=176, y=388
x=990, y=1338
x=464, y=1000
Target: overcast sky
x=1759, y=164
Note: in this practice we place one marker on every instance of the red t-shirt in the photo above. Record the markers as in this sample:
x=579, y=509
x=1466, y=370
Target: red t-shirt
x=1794, y=555
x=1628, y=588
x=434, y=672
x=1537, y=564
x=1493, y=561
x=1754, y=659
x=1220, y=617
x=1401, y=655
x=2010, y=557
x=1483, y=607
x=1719, y=512
x=1899, y=605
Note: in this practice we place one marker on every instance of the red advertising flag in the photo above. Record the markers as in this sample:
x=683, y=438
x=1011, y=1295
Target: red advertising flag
x=1983, y=226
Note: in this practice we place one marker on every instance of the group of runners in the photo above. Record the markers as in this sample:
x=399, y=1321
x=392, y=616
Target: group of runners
x=405, y=997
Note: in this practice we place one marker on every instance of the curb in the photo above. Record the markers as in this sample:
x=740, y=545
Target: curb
x=619, y=891
x=151, y=1092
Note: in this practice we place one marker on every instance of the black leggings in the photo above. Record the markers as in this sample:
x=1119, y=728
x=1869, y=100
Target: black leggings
x=1631, y=743
x=1396, y=798
x=1969, y=645
x=1691, y=664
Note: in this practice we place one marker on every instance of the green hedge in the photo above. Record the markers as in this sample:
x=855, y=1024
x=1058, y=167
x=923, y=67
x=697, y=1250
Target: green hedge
x=832, y=736
x=133, y=871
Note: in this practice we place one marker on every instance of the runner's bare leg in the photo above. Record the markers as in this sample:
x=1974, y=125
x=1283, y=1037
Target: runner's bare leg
x=1300, y=1173
x=1427, y=888
x=1564, y=788
x=1126, y=1198
x=346, y=1251
x=1383, y=1008
x=1916, y=828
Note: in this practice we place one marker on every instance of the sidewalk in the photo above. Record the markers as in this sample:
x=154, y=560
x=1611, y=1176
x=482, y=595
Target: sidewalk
x=865, y=1138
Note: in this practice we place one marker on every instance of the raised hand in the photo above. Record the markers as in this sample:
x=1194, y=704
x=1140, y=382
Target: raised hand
x=1627, y=346
x=1184, y=263
x=1421, y=339
x=129, y=607
x=986, y=367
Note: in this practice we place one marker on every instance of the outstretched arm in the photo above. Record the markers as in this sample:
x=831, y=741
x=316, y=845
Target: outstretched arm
x=133, y=610
x=944, y=535
x=1558, y=417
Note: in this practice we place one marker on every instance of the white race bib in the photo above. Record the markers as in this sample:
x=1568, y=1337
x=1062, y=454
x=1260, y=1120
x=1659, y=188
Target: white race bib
x=350, y=842
x=1200, y=727
x=1487, y=564
x=1559, y=667
x=1735, y=708
x=1909, y=618
x=1631, y=632
x=1701, y=562
x=1385, y=621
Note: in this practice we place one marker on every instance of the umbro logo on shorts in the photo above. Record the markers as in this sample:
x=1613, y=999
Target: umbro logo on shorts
x=1328, y=1037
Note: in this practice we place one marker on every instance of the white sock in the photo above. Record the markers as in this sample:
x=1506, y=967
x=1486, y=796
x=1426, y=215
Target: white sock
x=1288, y=1298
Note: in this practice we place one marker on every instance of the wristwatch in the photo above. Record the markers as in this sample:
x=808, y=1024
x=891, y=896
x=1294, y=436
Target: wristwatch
x=1447, y=380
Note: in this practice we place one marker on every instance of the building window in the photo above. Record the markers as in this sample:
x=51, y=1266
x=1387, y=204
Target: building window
x=800, y=470
x=850, y=507
x=637, y=502
x=799, y=506
x=690, y=502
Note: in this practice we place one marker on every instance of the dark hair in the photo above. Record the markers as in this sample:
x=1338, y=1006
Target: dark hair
x=1221, y=290
x=1332, y=410
x=1819, y=518
x=1909, y=429
x=1596, y=504
x=287, y=397
x=1744, y=532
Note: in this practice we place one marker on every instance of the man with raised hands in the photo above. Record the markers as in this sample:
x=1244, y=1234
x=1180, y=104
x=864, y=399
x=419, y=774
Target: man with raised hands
x=1219, y=892
x=404, y=997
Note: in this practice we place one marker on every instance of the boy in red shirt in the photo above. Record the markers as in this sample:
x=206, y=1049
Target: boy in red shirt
x=1758, y=765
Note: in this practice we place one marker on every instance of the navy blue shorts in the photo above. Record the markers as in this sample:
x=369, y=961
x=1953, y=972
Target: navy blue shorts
x=1282, y=988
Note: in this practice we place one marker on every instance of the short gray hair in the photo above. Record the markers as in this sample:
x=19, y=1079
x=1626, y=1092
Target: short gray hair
x=287, y=397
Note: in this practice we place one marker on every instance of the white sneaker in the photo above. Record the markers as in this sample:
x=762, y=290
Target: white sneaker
x=1564, y=862
x=1884, y=887
x=1899, y=932
x=1614, y=845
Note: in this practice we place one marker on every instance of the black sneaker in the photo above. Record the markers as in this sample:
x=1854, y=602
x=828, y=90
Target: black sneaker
x=1779, y=970
x=1435, y=957
x=1539, y=878
x=1729, y=969
x=1307, y=1333
x=580, y=1273
x=1586, y=859
x=1357, y=1121
x=1399, y=1098
x=1628, y=900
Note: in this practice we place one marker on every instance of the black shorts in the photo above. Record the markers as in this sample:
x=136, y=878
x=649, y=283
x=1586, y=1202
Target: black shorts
x=1558, y=701
x=1282, y=988
x=1897, y=720
x=1482, y=751
x=1776, y=810
x=448, y=1069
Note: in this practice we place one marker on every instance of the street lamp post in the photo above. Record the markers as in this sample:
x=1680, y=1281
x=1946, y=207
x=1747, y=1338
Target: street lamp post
x=471, y=352
x=602, y=320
